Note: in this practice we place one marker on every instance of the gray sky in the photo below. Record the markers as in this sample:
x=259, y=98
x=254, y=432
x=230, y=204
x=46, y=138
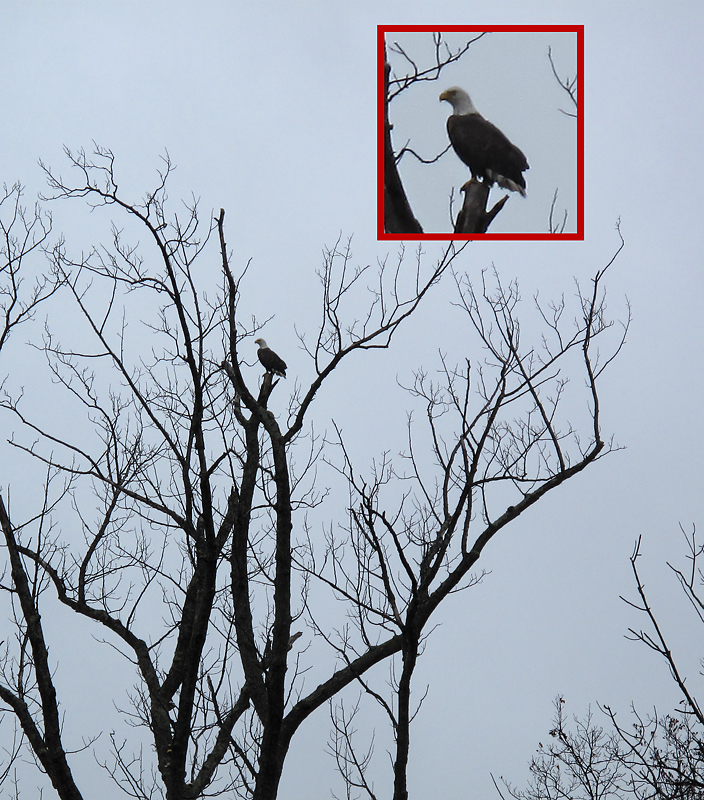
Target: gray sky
x=269, y=111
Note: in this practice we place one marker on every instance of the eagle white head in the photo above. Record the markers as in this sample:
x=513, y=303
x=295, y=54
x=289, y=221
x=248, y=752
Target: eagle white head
x=460, y=101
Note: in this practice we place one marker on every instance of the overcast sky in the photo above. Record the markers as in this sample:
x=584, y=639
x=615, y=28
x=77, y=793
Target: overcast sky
x=269, y=111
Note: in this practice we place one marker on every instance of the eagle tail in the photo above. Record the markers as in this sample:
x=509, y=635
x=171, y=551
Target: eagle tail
x=506, y=183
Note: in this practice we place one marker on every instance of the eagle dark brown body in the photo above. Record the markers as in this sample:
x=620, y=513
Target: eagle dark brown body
x=489, y=153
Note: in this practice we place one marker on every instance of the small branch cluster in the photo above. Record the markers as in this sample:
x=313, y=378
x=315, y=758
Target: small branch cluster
x=653, y=756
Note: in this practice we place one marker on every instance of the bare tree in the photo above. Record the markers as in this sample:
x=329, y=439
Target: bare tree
x=581, y=765
x=653, y=756
x=193, y=497
x=21, y=234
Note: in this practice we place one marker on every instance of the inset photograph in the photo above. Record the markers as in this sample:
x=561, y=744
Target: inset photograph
x=480, y=132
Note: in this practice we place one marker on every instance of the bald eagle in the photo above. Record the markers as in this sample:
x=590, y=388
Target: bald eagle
x=270, y=361
x=481, y=145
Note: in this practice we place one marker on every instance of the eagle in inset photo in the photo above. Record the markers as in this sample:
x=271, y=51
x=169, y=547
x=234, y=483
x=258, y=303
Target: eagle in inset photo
x=270, y=361
x=482, y=146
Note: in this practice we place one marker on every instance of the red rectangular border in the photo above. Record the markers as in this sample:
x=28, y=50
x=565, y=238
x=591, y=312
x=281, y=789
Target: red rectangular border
x=381, y=31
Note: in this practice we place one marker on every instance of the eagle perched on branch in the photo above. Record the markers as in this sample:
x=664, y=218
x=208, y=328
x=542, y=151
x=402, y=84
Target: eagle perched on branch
x=270, y=361
x=482, y=146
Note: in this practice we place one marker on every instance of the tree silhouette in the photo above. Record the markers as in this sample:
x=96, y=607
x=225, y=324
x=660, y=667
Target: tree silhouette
x=175, y=513
x=653, y=756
